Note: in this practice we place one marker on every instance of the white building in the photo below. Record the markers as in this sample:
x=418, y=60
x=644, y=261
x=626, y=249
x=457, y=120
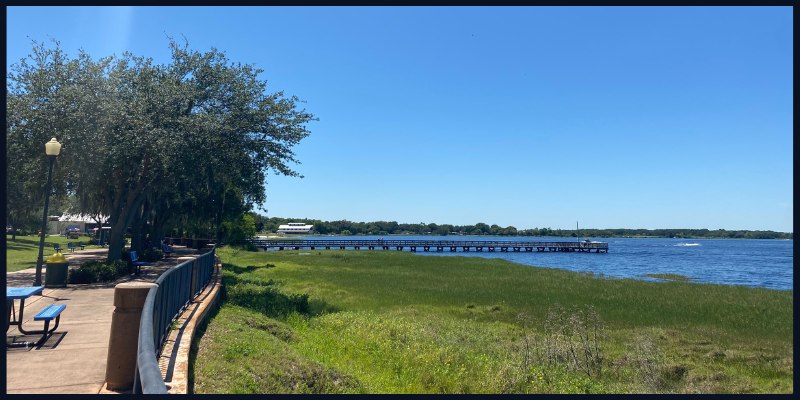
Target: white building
x=295, y=227
x=57, y=225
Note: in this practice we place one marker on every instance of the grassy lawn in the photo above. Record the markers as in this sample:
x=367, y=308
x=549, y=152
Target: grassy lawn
x=394, y=322
x=22, y=252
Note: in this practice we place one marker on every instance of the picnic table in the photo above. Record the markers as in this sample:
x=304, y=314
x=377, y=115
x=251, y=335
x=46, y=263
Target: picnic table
x=49, y=313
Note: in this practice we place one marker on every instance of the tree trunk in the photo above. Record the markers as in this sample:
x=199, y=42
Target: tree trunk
x=137, y=237
x=118, y=227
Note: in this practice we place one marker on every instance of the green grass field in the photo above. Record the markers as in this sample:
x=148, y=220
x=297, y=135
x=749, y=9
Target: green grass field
x=393, y=322
x=22, y=252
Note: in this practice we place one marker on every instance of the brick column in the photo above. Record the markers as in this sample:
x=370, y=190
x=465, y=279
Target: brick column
x=123, y=344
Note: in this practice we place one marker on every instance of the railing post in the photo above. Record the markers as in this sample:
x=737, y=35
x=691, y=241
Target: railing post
x=193, y=287
x=129, y=299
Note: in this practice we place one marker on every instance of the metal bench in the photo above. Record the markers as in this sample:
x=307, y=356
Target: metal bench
x=135, y=261
x=166, y=249
x=71, y=246
x=56, y=247
x=49, y=313
x=81, y=245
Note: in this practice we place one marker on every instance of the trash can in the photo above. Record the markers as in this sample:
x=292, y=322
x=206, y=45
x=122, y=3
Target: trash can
x=56, y=272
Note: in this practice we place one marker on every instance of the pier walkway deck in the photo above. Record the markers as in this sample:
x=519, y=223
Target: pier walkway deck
x=430, y=245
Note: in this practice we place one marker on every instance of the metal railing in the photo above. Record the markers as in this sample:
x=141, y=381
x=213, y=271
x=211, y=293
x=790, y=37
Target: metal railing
x=164, y=303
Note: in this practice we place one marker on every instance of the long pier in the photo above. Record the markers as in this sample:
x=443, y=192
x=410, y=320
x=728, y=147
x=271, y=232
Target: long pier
x=431, y=245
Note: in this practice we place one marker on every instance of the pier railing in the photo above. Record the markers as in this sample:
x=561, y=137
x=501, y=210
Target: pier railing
x=164, y=303
x=427, y=245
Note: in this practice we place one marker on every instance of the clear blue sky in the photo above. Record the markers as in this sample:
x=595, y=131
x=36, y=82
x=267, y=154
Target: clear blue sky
x=643, y=117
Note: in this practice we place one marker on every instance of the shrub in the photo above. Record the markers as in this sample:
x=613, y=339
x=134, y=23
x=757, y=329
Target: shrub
x=151, y=255
x=651, y=367
x=81, y=275
x=575, y=338
x=99, y=271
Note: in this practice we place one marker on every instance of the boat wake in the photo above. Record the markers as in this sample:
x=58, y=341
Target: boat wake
x=687, y=244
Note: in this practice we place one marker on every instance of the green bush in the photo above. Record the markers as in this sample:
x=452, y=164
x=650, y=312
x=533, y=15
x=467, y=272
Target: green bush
x=81, y=275
x=150, y=255
x=99, y=271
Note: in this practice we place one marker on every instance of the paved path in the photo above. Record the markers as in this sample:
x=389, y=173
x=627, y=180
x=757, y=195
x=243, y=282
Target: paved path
x=73, y=359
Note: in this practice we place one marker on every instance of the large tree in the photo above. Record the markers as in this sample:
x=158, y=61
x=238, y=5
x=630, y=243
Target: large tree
x=191, y=140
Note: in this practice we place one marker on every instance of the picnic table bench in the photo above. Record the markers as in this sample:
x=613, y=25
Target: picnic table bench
x=48, y=314
x=71, y=246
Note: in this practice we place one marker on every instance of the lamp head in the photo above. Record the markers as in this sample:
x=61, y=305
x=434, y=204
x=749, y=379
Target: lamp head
x=52, y=148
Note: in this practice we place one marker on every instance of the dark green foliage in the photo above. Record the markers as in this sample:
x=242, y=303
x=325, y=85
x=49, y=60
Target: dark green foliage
x=99, y=271
x=138, y=138
x=151, y=255
x=81, y=275
x=263, y=296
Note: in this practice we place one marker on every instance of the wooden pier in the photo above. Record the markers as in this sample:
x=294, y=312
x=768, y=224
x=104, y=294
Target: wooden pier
x=431, y=245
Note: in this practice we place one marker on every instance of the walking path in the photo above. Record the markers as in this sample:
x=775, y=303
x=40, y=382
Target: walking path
x=73, y=359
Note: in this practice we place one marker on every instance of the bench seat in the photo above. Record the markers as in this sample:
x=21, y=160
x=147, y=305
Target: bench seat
x=71, y=246
x=135, y=261
x=166, y=249
x=50, y=312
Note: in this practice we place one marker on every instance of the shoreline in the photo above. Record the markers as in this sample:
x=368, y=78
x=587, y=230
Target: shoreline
x=284, y=236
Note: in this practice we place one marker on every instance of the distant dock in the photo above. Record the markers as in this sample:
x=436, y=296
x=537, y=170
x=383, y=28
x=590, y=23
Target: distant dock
x=431, y=245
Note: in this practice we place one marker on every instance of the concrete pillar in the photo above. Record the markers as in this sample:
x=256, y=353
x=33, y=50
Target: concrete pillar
x=123, y=344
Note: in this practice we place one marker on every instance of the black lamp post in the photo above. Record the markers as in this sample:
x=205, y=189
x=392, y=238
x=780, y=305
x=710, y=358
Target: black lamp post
x=51, y=148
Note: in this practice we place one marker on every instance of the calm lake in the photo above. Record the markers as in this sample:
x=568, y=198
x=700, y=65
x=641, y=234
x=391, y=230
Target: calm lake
x=757, y=263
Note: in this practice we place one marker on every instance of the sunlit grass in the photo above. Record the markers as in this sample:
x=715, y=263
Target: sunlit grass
x=22, y=252
x=392, y=322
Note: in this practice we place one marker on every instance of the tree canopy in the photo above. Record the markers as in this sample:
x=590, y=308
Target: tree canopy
x=184, y=145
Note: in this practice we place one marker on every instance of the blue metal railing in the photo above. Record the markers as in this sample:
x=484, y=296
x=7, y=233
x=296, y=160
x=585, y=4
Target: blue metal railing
x=164, y=303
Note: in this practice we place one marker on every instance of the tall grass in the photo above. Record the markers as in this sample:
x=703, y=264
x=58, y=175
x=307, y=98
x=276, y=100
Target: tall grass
x=392, y=322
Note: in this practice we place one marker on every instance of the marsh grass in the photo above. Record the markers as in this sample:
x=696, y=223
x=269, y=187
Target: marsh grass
x=393, y=322
x=670, y=277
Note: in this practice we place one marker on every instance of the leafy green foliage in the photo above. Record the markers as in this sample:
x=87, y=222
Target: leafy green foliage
x=151, y=255
x=239, y=230
x=99, y=271
x=183, y=145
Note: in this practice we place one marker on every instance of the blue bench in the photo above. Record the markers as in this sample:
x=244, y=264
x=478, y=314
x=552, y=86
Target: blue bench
x=135, y=261
x=166, y=249
x=81, y=245
x=56, y=247
x=49, y=313
x=71, y=246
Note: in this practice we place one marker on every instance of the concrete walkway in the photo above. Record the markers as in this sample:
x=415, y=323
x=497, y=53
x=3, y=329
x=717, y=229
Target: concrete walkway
x=73, y=359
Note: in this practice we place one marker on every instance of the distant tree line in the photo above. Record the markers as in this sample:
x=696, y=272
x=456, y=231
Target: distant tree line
x=344, y=227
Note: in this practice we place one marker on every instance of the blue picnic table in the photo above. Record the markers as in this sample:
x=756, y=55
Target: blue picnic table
x=49, y=313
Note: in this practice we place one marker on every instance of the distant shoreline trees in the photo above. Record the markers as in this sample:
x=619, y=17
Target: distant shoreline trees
x=344, y=227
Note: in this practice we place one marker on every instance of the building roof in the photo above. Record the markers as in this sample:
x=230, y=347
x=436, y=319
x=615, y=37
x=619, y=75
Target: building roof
x=79, y=218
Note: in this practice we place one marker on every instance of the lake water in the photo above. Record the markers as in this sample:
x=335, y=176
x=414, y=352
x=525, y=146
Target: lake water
x=757, y=263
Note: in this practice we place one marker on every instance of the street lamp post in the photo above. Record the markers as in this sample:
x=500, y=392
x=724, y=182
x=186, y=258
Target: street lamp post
x=51, y=148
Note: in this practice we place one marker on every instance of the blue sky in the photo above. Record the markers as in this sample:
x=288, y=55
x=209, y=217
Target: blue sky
x=616, y=117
